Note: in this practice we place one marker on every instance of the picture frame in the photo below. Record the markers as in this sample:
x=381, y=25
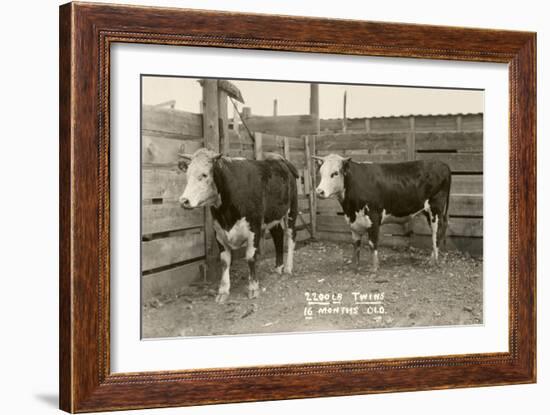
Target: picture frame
x=87, y=32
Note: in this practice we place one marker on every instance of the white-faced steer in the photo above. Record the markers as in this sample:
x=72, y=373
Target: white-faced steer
x=245, y=197
x=372, y=194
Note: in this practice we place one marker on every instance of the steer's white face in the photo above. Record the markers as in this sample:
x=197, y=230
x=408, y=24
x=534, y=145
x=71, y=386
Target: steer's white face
x=332, y=176
x=200, y=189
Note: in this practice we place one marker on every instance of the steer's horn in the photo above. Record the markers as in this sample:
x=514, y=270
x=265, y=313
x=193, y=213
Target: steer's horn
x=185, y=157
x=318, y=160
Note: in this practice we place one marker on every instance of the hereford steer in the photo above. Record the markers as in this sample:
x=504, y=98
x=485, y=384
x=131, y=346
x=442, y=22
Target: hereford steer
x=372, y=194
x=246, y=197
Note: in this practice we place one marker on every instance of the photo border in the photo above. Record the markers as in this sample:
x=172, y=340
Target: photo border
x=86, y=33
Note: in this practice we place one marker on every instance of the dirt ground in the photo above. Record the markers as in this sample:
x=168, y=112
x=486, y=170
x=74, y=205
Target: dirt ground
x=324, y=293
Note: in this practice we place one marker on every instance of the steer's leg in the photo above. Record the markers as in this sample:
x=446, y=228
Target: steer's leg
x=251, y=254
x=374, y=232
x=277, y=234
x=223, y=290
x=356, y=239
x=291, y=235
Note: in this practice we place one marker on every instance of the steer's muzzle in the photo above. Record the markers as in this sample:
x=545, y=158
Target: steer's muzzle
x=320, y=192
x=184, y=203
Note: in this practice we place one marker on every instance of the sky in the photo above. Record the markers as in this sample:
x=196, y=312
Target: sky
x=293, y=98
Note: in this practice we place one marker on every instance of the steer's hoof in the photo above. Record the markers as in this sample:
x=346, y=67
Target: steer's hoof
x=221, y=298
x=288, y=270
x=279, y=269
x=374, y=269
x=253, y=293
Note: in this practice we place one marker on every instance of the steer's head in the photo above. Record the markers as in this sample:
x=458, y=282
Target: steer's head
x=332, y=169
x=200, y=189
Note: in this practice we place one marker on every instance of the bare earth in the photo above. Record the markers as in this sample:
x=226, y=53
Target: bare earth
x=406, y=291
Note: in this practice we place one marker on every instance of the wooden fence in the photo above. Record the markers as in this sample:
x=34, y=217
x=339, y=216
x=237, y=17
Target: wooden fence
x=172, y=245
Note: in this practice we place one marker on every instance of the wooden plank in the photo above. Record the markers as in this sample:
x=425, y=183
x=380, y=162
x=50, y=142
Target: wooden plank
x=159, y=150
x=181, y=246
x=258, y=146
x=361, y=140
x=385, y=124
x=223, y=121
x=458, y=162
x=286, y=125
x=474, y=246
x=467, y=184
x=470, y=227
x=411, y=140
x=435, y=122
x=466, y=205
x=450, y=140
x=168, y=217
x=328, y=206
x=393, y=157
x=171, y=280
x=178, y=123
x=310, y=190
x=472, y=122
x=160, y=183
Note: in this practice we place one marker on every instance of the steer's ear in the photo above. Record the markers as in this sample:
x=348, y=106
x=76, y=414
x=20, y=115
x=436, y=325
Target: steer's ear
x=345, y=165
x=318, y=160
x=184, y=160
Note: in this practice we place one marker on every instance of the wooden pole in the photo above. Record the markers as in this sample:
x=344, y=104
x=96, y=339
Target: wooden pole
x=211, y=133
x=314, y=107
x=275, y=107
x=258, y=147
x=310, y=185
x=411, y=138
x=223, y=122
x=345, y=119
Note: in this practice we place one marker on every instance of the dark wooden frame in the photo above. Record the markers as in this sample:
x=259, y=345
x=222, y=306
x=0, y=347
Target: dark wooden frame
x=86, y=33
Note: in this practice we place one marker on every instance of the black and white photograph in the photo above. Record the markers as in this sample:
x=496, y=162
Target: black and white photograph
x=281, y=206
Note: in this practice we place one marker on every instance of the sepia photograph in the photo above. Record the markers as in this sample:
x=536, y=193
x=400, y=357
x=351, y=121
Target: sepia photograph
x=276, y=206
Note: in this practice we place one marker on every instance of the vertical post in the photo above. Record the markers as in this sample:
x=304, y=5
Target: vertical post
x=411, y=145
x=258, y=147
x=274, y=107
x=314, y=107
x=235, y=121
x=211, y=133
x=247, y=112
x=345, y=119
x=367, y=125
x=286, y=148
x=309, y=145
x=223, y=122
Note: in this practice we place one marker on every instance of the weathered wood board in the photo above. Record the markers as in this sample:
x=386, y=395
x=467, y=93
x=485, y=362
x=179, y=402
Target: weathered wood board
x=171, y=280
x=181, y=246
x=169, y=216
x=171, y=122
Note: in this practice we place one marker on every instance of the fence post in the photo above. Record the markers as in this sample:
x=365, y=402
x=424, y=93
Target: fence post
x=308, y=147
x=223, y=122
x=411, y=140
x=211, y=135
x=258, y=146
x=286, y=148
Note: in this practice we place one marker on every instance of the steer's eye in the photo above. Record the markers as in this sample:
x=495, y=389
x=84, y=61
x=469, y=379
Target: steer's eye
x=203, y=176
x=334, y=174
